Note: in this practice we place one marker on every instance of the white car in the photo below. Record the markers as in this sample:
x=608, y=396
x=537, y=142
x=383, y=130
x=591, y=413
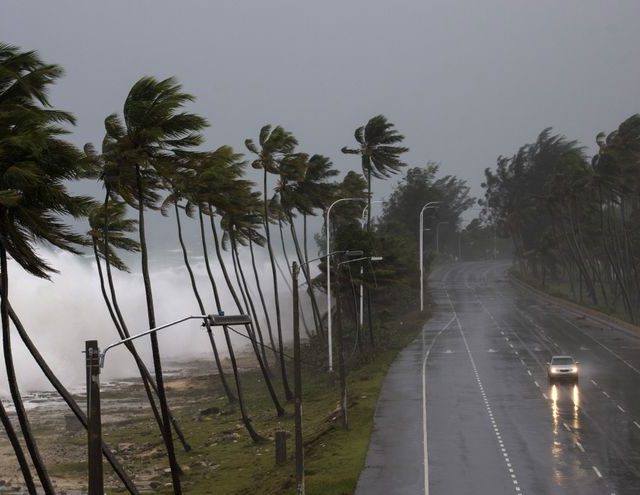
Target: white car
x=562, y=368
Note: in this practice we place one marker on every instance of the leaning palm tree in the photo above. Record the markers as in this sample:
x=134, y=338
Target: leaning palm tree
x=154, y=127
x=218, y=188
x=178, y=181
x=215, y=173
x=240, y=222
x=275, y=143
x=35, y=164
x=109, y=229
x=378, y=147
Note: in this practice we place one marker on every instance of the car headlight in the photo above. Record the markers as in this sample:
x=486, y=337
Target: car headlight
x=574, y=369
x=553, y=370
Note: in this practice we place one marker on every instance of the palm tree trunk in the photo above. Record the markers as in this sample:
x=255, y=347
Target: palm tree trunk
x=242, y=280
x=286, y=258
x=283, y=370
x=196, y=293
x=17, y=448
x=226, y=333
x=121, y=327
x=305, y=270
x=29, y=439
x=123, y=335
x=264, y=308
x=342, y=371
x=67, y=397
x=155, y=348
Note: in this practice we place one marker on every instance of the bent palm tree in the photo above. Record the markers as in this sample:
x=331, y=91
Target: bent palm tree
x=154, y=127
x=35, y=164
x=378, y=147
x=274, y=145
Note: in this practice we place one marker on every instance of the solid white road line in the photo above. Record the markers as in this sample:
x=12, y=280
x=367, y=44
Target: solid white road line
x=424, y=405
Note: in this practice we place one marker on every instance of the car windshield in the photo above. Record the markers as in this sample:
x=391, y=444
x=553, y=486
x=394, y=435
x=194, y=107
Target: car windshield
x=562, y=360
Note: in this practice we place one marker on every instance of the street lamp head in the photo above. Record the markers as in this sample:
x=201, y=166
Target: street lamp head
x=219, y=320
x=354, y=253
x=376, y=258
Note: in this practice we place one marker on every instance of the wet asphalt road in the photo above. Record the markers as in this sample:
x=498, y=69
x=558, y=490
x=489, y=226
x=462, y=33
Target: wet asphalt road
x=492, y=423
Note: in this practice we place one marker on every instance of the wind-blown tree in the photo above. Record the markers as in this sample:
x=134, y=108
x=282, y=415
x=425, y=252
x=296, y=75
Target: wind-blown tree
x=109, y=229
x=380, y=151
x=154, y=127
x=240, y=222
x=220, y=189
x=302, y=188
x=178, y=177
x=275, y=143
x=35, y=165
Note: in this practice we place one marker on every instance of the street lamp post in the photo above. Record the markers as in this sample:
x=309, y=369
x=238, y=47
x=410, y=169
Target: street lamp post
x=428, y=206
x=364, y=212
x=328, y=235
x=341, y=364
x=94, y=362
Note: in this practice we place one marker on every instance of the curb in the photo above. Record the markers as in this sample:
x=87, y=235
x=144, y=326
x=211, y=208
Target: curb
x=592, y=314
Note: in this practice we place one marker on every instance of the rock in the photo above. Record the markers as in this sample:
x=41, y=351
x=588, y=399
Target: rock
x=210, y=411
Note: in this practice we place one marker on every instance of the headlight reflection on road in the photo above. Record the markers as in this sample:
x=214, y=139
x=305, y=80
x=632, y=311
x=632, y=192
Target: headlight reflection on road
x=575, y=396
x=554, y=407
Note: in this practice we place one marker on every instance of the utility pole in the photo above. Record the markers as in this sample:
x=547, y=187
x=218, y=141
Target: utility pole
x=297, y=393
x=94, y=423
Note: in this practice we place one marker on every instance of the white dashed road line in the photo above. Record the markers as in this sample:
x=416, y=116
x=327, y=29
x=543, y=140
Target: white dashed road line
x=487, y=405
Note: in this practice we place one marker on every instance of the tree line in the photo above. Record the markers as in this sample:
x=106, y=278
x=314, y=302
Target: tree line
x=574, y=219
x=153, y=158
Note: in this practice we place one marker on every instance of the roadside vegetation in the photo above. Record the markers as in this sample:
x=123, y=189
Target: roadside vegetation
x=152, y=160
x=574, y=221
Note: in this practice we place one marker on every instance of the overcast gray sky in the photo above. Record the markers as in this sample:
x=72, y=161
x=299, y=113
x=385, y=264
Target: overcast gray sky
x=464, y=80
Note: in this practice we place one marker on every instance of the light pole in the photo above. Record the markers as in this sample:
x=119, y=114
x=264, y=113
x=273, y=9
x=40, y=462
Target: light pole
x=94, y=362
x=438, y=235
x=328, y=232
x=428, y=206
x=364, y=212
x=342, y=372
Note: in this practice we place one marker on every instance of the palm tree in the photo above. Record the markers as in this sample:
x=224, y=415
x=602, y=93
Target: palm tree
x=275, y=143
x=179, y=180
x=378, y=147
x=154, y=127
x=240, y=222
x=219, y=188
x=35, y=164
x=109, y=229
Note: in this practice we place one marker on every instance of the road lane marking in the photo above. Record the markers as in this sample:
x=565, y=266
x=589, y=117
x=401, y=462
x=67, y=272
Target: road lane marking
x=594, y=383
x=598, y=473
x=636, y=424
x=621, y=408
x=424, y=404
x=484, y=397
x=579, y=445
